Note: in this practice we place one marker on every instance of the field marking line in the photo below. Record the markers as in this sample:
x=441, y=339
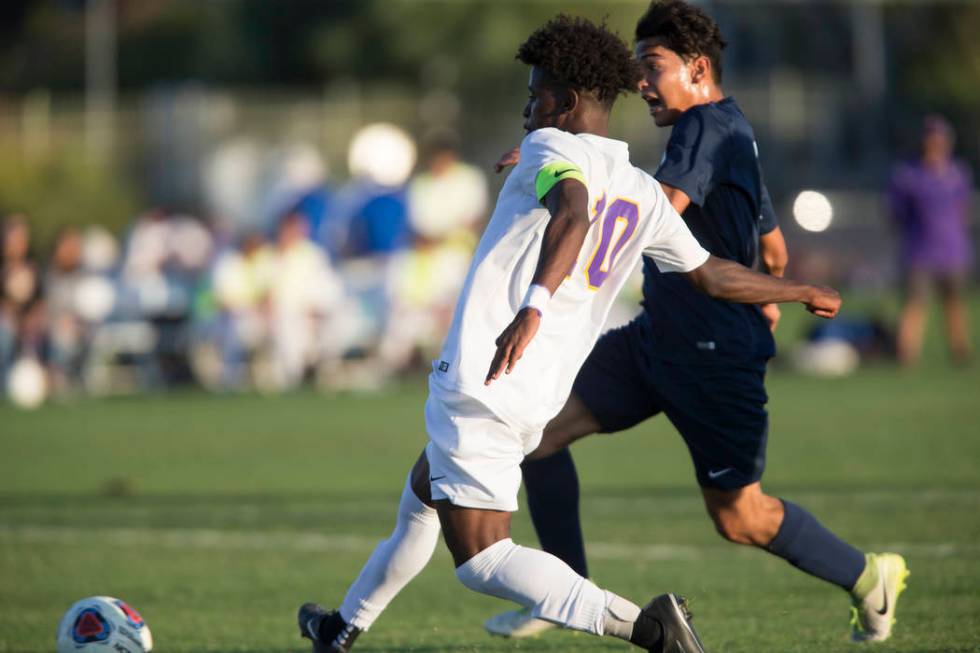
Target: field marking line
x=305, y=541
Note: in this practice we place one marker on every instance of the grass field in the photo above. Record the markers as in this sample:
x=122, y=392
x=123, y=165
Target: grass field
x=217, y=516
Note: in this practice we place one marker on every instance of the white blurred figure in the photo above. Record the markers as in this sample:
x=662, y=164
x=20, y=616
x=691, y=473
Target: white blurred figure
x=100, y=251
x=147, y=246
x=447, y=201
x=189, y=247
x=231, y=179
x=164, y=257
x=94, y=295
x=305, y=297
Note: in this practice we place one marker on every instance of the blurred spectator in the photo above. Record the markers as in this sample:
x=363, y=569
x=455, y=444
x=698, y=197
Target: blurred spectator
x=448, y=195
x=241, y=279
x=928, y=199
x=447, y=201
x=66, y=328
x=305, y=295
x=380, y=158
x=20, y=305
x=369, y=227
x=379, y=224
x=165, y=255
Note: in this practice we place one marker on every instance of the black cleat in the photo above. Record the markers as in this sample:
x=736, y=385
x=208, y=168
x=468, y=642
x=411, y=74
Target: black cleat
x=327, y=630
x=679, y=635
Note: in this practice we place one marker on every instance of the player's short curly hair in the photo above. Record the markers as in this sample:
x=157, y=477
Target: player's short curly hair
x=685, y=29
x=584, y=55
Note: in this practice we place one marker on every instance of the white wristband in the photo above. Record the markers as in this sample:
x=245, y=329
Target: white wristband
x=537, y=297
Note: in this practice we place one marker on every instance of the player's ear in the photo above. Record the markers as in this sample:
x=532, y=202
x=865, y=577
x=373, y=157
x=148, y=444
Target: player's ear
x=700, y=69
x=570, y=100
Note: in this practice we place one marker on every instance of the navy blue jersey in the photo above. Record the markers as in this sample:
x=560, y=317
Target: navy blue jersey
x=712, y=157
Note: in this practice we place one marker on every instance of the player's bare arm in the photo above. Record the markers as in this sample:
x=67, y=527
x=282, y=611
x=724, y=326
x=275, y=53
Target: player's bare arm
x=775, y=257
x=772, y=247
x=563, y=237
x=733, y=282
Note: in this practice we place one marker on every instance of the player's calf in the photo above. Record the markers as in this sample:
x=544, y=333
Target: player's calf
x=745, y=515
x=555, y=593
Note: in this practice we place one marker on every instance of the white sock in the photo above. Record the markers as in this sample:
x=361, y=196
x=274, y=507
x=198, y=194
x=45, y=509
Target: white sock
x=395, y=561
x=543, y=583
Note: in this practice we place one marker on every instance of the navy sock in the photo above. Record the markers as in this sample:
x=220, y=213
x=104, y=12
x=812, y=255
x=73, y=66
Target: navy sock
x=552, y=497
x=807, y=545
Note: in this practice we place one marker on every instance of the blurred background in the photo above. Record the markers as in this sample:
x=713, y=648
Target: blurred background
x=249, y=195
x=232, y=233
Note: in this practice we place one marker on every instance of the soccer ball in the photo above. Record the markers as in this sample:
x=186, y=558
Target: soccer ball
x=103, y=623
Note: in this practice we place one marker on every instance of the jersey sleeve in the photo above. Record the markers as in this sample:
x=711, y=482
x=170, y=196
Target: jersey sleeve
x=767, y=214
x=672, y=246
x=551, y=155
x=693, y=152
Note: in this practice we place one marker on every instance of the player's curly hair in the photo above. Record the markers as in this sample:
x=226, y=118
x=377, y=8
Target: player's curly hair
x=586, y=56
x=685, y=29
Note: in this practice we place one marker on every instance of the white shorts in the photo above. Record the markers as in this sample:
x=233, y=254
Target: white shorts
x=474, y=457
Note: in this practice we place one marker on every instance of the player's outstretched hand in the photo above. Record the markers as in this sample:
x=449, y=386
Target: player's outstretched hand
x=823, y=302
x=772, y=314
x=512, y=343
x=509, y=158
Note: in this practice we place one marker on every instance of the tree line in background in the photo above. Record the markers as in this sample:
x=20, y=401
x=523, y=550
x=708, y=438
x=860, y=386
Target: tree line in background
x=933, y=51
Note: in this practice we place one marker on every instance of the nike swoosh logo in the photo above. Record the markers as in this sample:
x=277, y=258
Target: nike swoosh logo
x=884, y=610
x=432, y=479
x=309, y=628
x=713, y=474
x=559, y=173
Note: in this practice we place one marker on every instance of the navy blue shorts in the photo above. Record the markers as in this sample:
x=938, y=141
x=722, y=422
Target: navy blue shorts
x=719, y=410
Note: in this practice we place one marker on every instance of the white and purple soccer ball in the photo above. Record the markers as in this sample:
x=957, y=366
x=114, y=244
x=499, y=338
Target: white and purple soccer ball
x=103, y=624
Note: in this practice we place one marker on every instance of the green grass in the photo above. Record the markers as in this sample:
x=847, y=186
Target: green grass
x=217, y=516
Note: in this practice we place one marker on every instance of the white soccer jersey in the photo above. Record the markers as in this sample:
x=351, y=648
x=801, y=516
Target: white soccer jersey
x=631, y=217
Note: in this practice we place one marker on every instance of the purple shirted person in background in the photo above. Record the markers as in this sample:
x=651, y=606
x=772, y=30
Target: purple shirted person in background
x=929, y=199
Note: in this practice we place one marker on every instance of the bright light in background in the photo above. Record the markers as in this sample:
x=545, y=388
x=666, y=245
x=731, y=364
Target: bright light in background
x=812, y=210
x=383, y=153
x=26, y=383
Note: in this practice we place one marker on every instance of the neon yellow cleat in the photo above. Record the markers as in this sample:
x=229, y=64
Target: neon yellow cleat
x=873, y=615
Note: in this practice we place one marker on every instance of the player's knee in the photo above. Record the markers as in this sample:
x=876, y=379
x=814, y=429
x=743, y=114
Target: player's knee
x=574, y=421
x=478, y=572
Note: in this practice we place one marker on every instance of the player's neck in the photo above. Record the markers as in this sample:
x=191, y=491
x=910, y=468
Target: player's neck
x=590, y=123
x=706, y=94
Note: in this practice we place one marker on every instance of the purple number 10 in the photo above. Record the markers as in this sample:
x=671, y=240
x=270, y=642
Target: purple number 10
x=602, y=259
